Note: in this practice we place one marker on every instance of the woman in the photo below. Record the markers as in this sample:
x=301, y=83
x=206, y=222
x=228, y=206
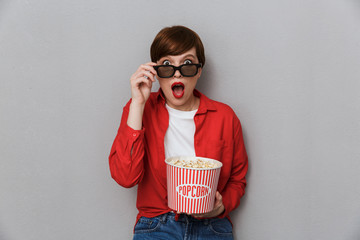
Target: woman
x=177, y=120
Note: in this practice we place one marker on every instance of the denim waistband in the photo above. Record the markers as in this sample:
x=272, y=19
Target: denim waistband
x=181, y=218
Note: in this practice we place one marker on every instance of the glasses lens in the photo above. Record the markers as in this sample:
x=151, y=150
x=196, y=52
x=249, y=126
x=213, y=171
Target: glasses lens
x=165, y=71
x=189, y=70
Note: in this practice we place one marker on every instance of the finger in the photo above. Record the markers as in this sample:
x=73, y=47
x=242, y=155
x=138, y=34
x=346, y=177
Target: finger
x=217, y=200
x=146, y=73
x=218, y=196
x=142, y=80
x=151, y=63
x=218, y=204
x=197, y=214
x=148, y=67
x=148, y=82
x=203, y=215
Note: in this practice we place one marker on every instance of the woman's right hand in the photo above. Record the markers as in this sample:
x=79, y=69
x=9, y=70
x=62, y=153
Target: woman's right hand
x=141, y=83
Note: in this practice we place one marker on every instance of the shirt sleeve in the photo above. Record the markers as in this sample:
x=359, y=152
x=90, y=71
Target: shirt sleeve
x=127, y=152
x=235, y=187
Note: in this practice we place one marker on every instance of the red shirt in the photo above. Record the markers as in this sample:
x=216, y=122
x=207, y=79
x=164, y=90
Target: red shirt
x=138, y=156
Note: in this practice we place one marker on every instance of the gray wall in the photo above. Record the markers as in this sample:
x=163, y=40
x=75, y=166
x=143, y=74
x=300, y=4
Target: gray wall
x=289, y=69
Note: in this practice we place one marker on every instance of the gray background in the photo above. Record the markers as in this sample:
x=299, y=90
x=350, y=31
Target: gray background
x=290, y=70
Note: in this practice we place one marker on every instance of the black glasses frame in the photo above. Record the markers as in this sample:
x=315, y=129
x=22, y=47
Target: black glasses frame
x=198, y=65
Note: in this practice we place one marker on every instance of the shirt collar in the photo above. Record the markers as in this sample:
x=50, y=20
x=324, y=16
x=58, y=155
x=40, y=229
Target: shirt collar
x=205, y=103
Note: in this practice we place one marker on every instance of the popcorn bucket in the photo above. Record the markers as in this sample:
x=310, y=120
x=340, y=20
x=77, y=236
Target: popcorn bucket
x=191, y=188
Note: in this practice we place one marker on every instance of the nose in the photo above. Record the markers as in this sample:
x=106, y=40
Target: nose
x=177, y=73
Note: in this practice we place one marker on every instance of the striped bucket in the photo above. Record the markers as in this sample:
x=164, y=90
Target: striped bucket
x=192, y=190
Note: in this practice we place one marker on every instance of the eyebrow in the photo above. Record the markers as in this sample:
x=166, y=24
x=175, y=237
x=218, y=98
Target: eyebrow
x=189, y=55
x=186, y=56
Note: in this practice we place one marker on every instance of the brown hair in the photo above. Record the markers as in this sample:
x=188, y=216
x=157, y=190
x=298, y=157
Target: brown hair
x=175, y=41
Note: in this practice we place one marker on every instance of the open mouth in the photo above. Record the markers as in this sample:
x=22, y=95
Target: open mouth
x=178, y=89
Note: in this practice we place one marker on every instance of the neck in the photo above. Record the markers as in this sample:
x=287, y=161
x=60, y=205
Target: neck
x=194, y=103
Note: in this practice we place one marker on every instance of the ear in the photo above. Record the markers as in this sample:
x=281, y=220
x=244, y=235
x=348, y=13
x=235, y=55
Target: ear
x=199, y=72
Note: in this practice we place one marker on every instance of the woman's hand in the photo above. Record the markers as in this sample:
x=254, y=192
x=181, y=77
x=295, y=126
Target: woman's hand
x=218, y=208
x=141, y=83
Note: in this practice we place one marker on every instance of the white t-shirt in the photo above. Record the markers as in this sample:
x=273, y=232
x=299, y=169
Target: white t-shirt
x=179, y=137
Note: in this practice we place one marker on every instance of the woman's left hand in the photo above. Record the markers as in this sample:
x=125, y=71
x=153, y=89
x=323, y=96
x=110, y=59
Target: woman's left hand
x=218, y=208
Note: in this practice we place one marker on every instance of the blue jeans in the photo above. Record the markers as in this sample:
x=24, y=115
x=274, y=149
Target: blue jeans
x=166, y=227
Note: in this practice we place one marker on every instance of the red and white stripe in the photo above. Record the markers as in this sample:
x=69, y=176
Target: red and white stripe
x=192, y=182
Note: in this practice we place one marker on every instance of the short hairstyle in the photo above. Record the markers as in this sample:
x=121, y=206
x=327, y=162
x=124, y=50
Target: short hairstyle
x=176, y=40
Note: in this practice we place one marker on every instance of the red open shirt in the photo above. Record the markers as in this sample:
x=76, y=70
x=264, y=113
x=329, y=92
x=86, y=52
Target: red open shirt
x=138, y=156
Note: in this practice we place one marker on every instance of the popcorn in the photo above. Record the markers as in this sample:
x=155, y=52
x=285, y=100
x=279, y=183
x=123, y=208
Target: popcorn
x=192, y=183
x=193, y=163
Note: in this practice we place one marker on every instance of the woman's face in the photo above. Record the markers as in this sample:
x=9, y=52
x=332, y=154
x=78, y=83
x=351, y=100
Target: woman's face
x=178, y=90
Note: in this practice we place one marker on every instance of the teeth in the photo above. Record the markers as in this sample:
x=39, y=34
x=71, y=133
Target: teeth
x=177, y=85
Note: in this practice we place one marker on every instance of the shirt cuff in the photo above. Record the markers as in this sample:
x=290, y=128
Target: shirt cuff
x=134, y=134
